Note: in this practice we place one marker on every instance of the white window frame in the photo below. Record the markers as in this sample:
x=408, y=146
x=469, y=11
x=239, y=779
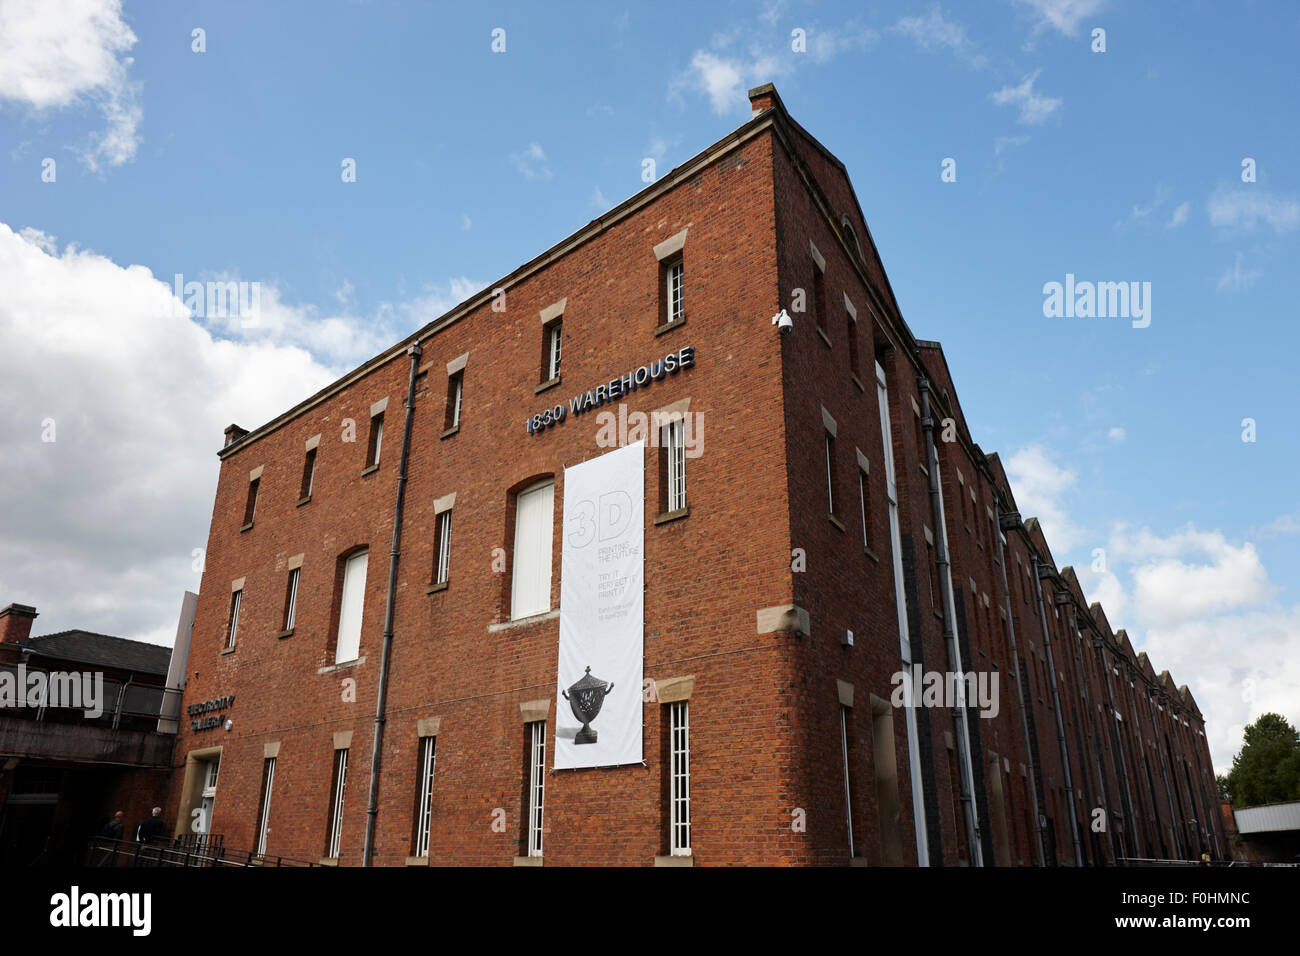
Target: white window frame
x=208, y=798
x=310, y=465
x=848, y=791
x=458, y=386
x=340, y=772
x=862, y=502
x=674, y=438
x=830, y=482
x=536, y=785
x=538, y=576
x=443, y=569
x=295, y=575
x=264, y=818
x=377, y=427
x=428, y=764
x=236, y=603
x=679, y=777
x=351, y=649
x=675, y=276
x=556, y=344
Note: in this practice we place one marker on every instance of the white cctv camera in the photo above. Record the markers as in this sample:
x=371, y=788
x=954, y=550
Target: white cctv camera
x=784, y=324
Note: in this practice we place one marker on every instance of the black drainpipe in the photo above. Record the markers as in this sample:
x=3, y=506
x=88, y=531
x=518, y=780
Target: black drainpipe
x=372, y=808
x=960, y=711
x=1010, y=521
x=1041, y=571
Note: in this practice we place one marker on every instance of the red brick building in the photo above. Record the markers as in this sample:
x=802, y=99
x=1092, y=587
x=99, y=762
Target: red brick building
x=819, y=521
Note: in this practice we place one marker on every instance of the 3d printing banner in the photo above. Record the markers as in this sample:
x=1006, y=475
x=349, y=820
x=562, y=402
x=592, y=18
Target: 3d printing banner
x=602, y=612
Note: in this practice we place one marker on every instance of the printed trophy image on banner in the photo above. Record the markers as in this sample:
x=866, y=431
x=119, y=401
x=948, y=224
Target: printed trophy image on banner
x=602, y=604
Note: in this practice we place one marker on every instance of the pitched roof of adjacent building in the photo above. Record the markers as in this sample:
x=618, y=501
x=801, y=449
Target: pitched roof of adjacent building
x=102, y=650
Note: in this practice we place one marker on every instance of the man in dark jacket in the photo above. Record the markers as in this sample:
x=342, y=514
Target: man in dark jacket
x=151, y=829
x=113, y=828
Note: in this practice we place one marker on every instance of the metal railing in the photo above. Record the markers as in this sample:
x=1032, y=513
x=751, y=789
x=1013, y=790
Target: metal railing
x=193, y=851
x=126, y=705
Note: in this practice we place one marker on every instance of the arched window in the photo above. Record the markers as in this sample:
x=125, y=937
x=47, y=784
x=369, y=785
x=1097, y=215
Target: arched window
x=851, y=235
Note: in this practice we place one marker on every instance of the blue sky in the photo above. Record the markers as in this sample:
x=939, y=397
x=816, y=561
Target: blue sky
x=1123, y=165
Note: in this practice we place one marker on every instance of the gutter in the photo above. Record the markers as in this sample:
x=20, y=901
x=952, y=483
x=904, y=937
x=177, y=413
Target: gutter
x=381, y=705
x=960, y=715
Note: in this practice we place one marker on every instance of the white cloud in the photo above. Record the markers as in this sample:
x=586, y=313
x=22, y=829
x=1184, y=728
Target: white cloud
x=1039, y=486
x=599, y=201
x=1180, y=216
x=56, y=54
x=826, y=43
x=1117, y=434
x=1034, y=107
x=531, y=161
x=933, y=32
x=1063, y=16
x=100, y=523
x=465, y=222
x=1249, y=208
x=1237, y=277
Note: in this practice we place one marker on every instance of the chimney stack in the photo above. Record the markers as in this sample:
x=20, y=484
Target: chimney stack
x=763, y=98
x=233, y=434
x=16, y=623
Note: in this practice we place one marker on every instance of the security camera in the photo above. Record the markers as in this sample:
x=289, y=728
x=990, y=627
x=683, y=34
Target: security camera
x=784, y=324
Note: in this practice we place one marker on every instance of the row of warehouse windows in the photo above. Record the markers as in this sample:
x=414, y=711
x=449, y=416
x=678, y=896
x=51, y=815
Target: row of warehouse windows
x=672, y=311
x=676, y=768
x=531, y=555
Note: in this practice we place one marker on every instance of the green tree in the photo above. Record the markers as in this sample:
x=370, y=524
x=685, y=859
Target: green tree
x=1267, y=769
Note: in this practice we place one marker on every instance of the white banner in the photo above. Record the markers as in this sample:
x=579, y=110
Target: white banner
x=602, y=612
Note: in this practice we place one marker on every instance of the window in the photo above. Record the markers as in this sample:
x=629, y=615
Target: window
x=552, y=343
x=851, y=235
x=347, y=644
x=819, y=297
x=424, y=797
x=442, y=548
x=308, y=474
x=236, y=599
x=264, y=808
x=830, y=473
x=536, y=784
x=334, y=832
x=455, y=388
x=530, y=581
x=672, y=466
x=679, y=776
x=250, y=506
x=853, y=346
x=674, y=291
x=862, y=503
x=376, y=440
x=848, y=792
x=291, y=599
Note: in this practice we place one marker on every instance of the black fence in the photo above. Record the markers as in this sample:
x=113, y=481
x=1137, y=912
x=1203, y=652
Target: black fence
x=193, y=850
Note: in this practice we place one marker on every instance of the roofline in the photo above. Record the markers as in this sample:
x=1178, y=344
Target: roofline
x=706, y=157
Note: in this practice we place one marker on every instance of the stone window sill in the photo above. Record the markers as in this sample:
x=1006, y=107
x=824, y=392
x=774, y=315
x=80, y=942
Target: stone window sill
x=858, y=382
x=287, y=632
x=548, y=384
x=528, y=861
x=227, y=650
x=524, y=621
x=341, y=666
x=246, y=527
x=451, y=431
x=436, y=587
x=370, y=469
x=673, y=515
x=826, y=339
x=417, y=861
x=305, y=499
x=674, y=860
x=836, y=521
x=669, y=326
